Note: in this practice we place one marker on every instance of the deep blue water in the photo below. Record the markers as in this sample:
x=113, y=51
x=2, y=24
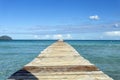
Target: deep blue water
x=104, y=54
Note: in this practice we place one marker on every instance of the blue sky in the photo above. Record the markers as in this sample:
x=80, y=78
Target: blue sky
x=54, y=19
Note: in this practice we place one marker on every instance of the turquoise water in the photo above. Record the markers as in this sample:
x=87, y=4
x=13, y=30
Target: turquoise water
x=15, y=54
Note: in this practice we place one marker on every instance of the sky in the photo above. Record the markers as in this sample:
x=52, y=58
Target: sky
x=60, y=19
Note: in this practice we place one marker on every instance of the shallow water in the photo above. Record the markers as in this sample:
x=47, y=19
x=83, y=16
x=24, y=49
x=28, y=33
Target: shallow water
x=104, y=54
x=15, y=54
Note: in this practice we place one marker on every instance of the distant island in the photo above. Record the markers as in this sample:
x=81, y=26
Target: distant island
x=5, y=37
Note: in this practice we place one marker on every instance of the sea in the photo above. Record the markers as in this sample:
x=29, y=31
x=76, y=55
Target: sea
x=105, y=54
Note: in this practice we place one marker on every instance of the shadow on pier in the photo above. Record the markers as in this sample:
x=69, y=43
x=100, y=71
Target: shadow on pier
x=22, y=75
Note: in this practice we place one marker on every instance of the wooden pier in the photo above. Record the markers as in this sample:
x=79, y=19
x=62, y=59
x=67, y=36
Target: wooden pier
x=59, y=61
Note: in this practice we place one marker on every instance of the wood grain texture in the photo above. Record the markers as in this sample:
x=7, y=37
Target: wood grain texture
x=59, y=61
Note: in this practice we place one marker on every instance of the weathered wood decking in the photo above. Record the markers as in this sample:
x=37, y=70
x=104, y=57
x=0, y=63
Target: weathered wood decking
x=59, y=61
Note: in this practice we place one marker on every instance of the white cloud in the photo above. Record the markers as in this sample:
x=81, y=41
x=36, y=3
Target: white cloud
x=68, y=36
x=62, y=36
x=94, y=17
x=58, y=36
x=36, y=37
x=116, y=25
x=47, y=36
x=113, y=33
x=55, y=36
x=41, y=36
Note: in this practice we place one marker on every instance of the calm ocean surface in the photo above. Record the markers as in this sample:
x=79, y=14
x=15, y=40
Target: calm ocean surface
x=15, y=54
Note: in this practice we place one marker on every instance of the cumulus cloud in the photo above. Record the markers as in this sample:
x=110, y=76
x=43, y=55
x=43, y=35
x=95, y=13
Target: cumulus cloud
x=41, y=36
x=94, y=17
x=47, y=36
x=116, y=25
x=62, y=36
x=54, y=36
x=58, y=36
x=35, y=36
x=68, y=36
x=113, y=33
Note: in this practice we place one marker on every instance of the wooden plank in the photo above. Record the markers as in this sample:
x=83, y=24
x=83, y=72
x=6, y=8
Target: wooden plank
x=59, y=61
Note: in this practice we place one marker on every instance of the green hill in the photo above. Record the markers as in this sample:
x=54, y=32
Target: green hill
x=5, y=38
